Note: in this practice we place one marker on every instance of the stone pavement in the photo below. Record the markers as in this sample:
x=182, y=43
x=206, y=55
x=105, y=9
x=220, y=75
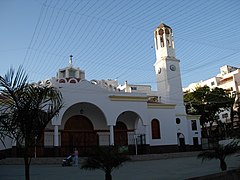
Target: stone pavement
x=166, y=167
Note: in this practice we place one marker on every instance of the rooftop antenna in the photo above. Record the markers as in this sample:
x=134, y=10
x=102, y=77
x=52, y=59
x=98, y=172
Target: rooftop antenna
x=70, y=60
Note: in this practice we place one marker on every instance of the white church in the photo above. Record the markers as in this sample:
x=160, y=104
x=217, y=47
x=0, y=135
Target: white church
x=131, y=117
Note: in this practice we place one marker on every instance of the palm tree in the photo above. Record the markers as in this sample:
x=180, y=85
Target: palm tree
x=105, y=159
x=220, y=152
x=25, y=111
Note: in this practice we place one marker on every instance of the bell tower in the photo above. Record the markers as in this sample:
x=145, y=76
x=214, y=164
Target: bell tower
x=164, y=43
x=167, y=67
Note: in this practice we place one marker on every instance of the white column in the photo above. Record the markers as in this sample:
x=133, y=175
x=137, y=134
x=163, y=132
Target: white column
x=111, y=136
x=56, y=140
x=147, y=135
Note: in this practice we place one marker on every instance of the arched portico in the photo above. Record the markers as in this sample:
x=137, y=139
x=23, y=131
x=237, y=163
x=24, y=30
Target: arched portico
x=129, y=130
x=131, y=119
x=89, y=110
x=84, y=125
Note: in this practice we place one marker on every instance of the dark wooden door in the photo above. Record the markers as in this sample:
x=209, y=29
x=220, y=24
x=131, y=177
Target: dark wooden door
x=120, y=134
x=78, y=132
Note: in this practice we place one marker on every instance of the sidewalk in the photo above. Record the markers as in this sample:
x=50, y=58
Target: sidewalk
x=175, y=168
x=57, y=160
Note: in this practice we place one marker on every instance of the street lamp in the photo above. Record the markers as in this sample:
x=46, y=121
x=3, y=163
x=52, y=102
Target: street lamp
x=135, y=142
x=35, y=148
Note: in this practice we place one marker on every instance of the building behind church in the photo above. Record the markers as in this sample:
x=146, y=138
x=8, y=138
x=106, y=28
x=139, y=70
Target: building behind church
x=228, y=79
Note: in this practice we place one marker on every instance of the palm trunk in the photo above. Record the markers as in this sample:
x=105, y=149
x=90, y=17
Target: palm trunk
x=27, y=168
x=26, y=161
x=223, y=165
x=108, y=175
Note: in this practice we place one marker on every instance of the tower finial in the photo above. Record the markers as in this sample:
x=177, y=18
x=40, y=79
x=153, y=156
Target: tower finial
x=70, y=60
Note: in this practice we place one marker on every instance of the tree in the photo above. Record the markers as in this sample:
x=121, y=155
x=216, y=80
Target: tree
x=105, y=159
x=207, y=103
x=25, y=111
x=235, y=113
x=220, y=152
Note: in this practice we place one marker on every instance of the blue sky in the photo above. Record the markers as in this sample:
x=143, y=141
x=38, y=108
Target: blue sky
x=114, y=39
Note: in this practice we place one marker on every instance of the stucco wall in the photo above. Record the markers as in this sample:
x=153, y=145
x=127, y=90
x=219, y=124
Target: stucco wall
x=167, y=126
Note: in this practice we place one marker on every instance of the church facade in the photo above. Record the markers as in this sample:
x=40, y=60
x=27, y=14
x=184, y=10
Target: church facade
x=131, y=117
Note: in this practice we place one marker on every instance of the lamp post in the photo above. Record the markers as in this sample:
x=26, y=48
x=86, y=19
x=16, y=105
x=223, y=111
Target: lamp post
x=135, y=142
x=35, y=148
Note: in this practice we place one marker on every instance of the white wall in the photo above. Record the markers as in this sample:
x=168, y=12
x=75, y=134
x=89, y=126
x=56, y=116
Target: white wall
x=194, y=133
x=87, y=92
x=167, y=126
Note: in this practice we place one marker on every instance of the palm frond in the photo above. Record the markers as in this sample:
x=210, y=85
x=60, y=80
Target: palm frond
x=91, y=164
x=29, y=107
x=207, y=155
x=231, y=148
x=105, y=159
x=219, y=152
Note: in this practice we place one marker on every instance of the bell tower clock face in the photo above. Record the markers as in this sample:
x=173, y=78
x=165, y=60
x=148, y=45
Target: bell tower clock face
x=172, y=67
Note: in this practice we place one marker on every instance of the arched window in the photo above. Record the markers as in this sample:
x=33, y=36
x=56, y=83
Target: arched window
x=161, y=32
x=72, y=81
x=167, y=31
x=155, y=129
x=62, y=81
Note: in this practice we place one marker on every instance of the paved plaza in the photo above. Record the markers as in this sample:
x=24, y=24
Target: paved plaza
x=164, y=169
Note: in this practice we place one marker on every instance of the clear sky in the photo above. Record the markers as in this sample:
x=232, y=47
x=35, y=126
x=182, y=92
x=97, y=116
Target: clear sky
x=113, y=39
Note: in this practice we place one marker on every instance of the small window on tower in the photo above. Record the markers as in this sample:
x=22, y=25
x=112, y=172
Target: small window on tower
x=161, y=32
x=167, y=31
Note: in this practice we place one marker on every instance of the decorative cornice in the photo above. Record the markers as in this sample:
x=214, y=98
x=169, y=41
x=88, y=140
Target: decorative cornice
x=161, y=106
x=190, y=117
x=128, y=98
x=181, y=115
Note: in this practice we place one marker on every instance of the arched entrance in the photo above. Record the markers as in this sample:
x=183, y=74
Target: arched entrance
x=181, y=142
x=120, y=134
x=78, y=133
x=129, y=133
